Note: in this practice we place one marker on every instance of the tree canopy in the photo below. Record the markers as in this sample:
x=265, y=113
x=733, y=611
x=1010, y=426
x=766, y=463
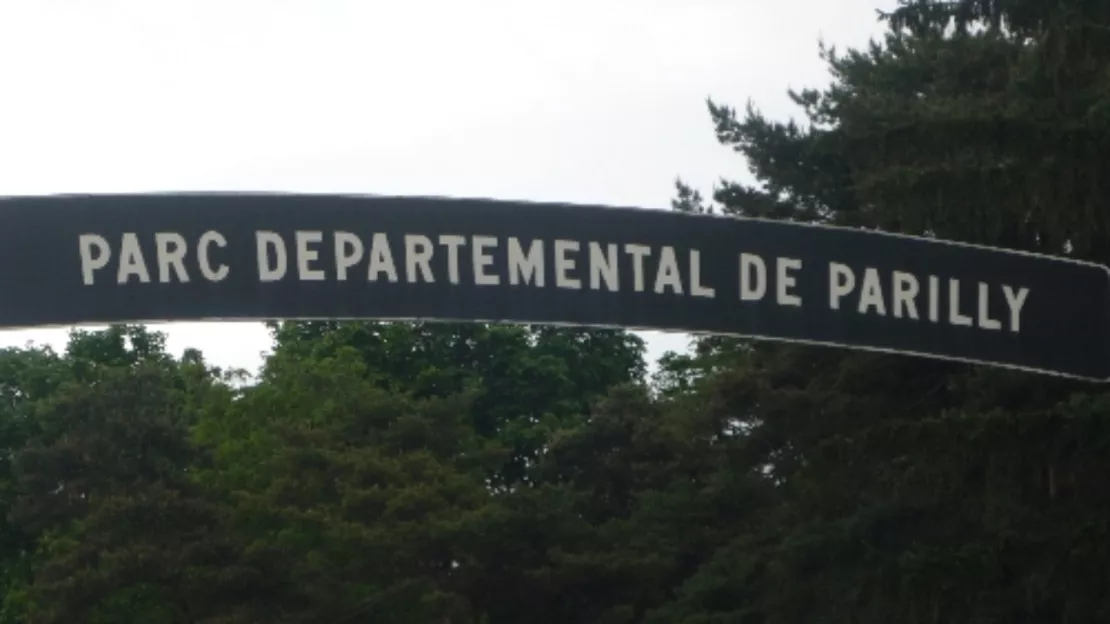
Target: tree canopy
x=488, y=474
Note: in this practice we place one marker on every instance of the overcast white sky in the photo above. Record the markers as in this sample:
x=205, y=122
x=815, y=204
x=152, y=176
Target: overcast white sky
x=598, y=101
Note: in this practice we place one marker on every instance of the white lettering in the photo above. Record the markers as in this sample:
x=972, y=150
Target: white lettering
x=526, y=267
x=871, y=295
x=604, y=266
x=91, y=263
x=696, y=287
x=954, y=315
x=638, y=252
x=418, y=255
x=563, y=265
x=985, y=321
x=841, y=282
x=1015, y=301
x=934, y=299
x=348, y=253
x=206, y=240
x=171, y=255
x=905, y=290
x=482, y=259
x=452, y=242
x=667, y=275
x=784, y=281
x=267, y=273
x=748, y=291
x=381, y=259
x=131, y=260
x=307, y=255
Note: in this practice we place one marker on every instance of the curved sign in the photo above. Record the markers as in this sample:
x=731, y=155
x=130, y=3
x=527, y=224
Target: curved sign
x=173, y=257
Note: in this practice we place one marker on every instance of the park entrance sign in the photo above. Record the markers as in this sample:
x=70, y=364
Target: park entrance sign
x=175, y=257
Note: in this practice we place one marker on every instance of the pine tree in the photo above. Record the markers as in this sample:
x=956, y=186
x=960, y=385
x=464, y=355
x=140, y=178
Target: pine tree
x=916, y=491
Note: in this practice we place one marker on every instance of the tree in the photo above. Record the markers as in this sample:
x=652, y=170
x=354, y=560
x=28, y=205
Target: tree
x=104, y=484
x=27, y=376
x=525, y=382
x=411, y=472
x=356, y=498
x=915, y=491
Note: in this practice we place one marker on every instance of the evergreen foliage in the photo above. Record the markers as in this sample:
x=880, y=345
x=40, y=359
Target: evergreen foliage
x=439, y=473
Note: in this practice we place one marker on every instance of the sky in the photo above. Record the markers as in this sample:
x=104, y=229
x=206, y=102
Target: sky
x=584, y=101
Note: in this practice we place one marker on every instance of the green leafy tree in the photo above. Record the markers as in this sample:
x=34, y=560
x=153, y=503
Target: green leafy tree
x=27, y=376
x=122, y=532
x=914, y=491
x=525, y=382
x=357, y=499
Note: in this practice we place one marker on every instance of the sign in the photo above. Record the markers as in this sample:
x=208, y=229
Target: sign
x=173, y=257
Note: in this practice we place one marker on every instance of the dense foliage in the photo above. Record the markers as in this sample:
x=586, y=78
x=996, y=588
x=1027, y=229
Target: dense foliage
x=412, y=473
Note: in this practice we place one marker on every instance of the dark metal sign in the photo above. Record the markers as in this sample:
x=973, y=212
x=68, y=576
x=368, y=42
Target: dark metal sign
x=173, y=257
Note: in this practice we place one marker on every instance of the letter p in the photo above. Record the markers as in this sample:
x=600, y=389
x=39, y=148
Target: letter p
x=95, y=254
